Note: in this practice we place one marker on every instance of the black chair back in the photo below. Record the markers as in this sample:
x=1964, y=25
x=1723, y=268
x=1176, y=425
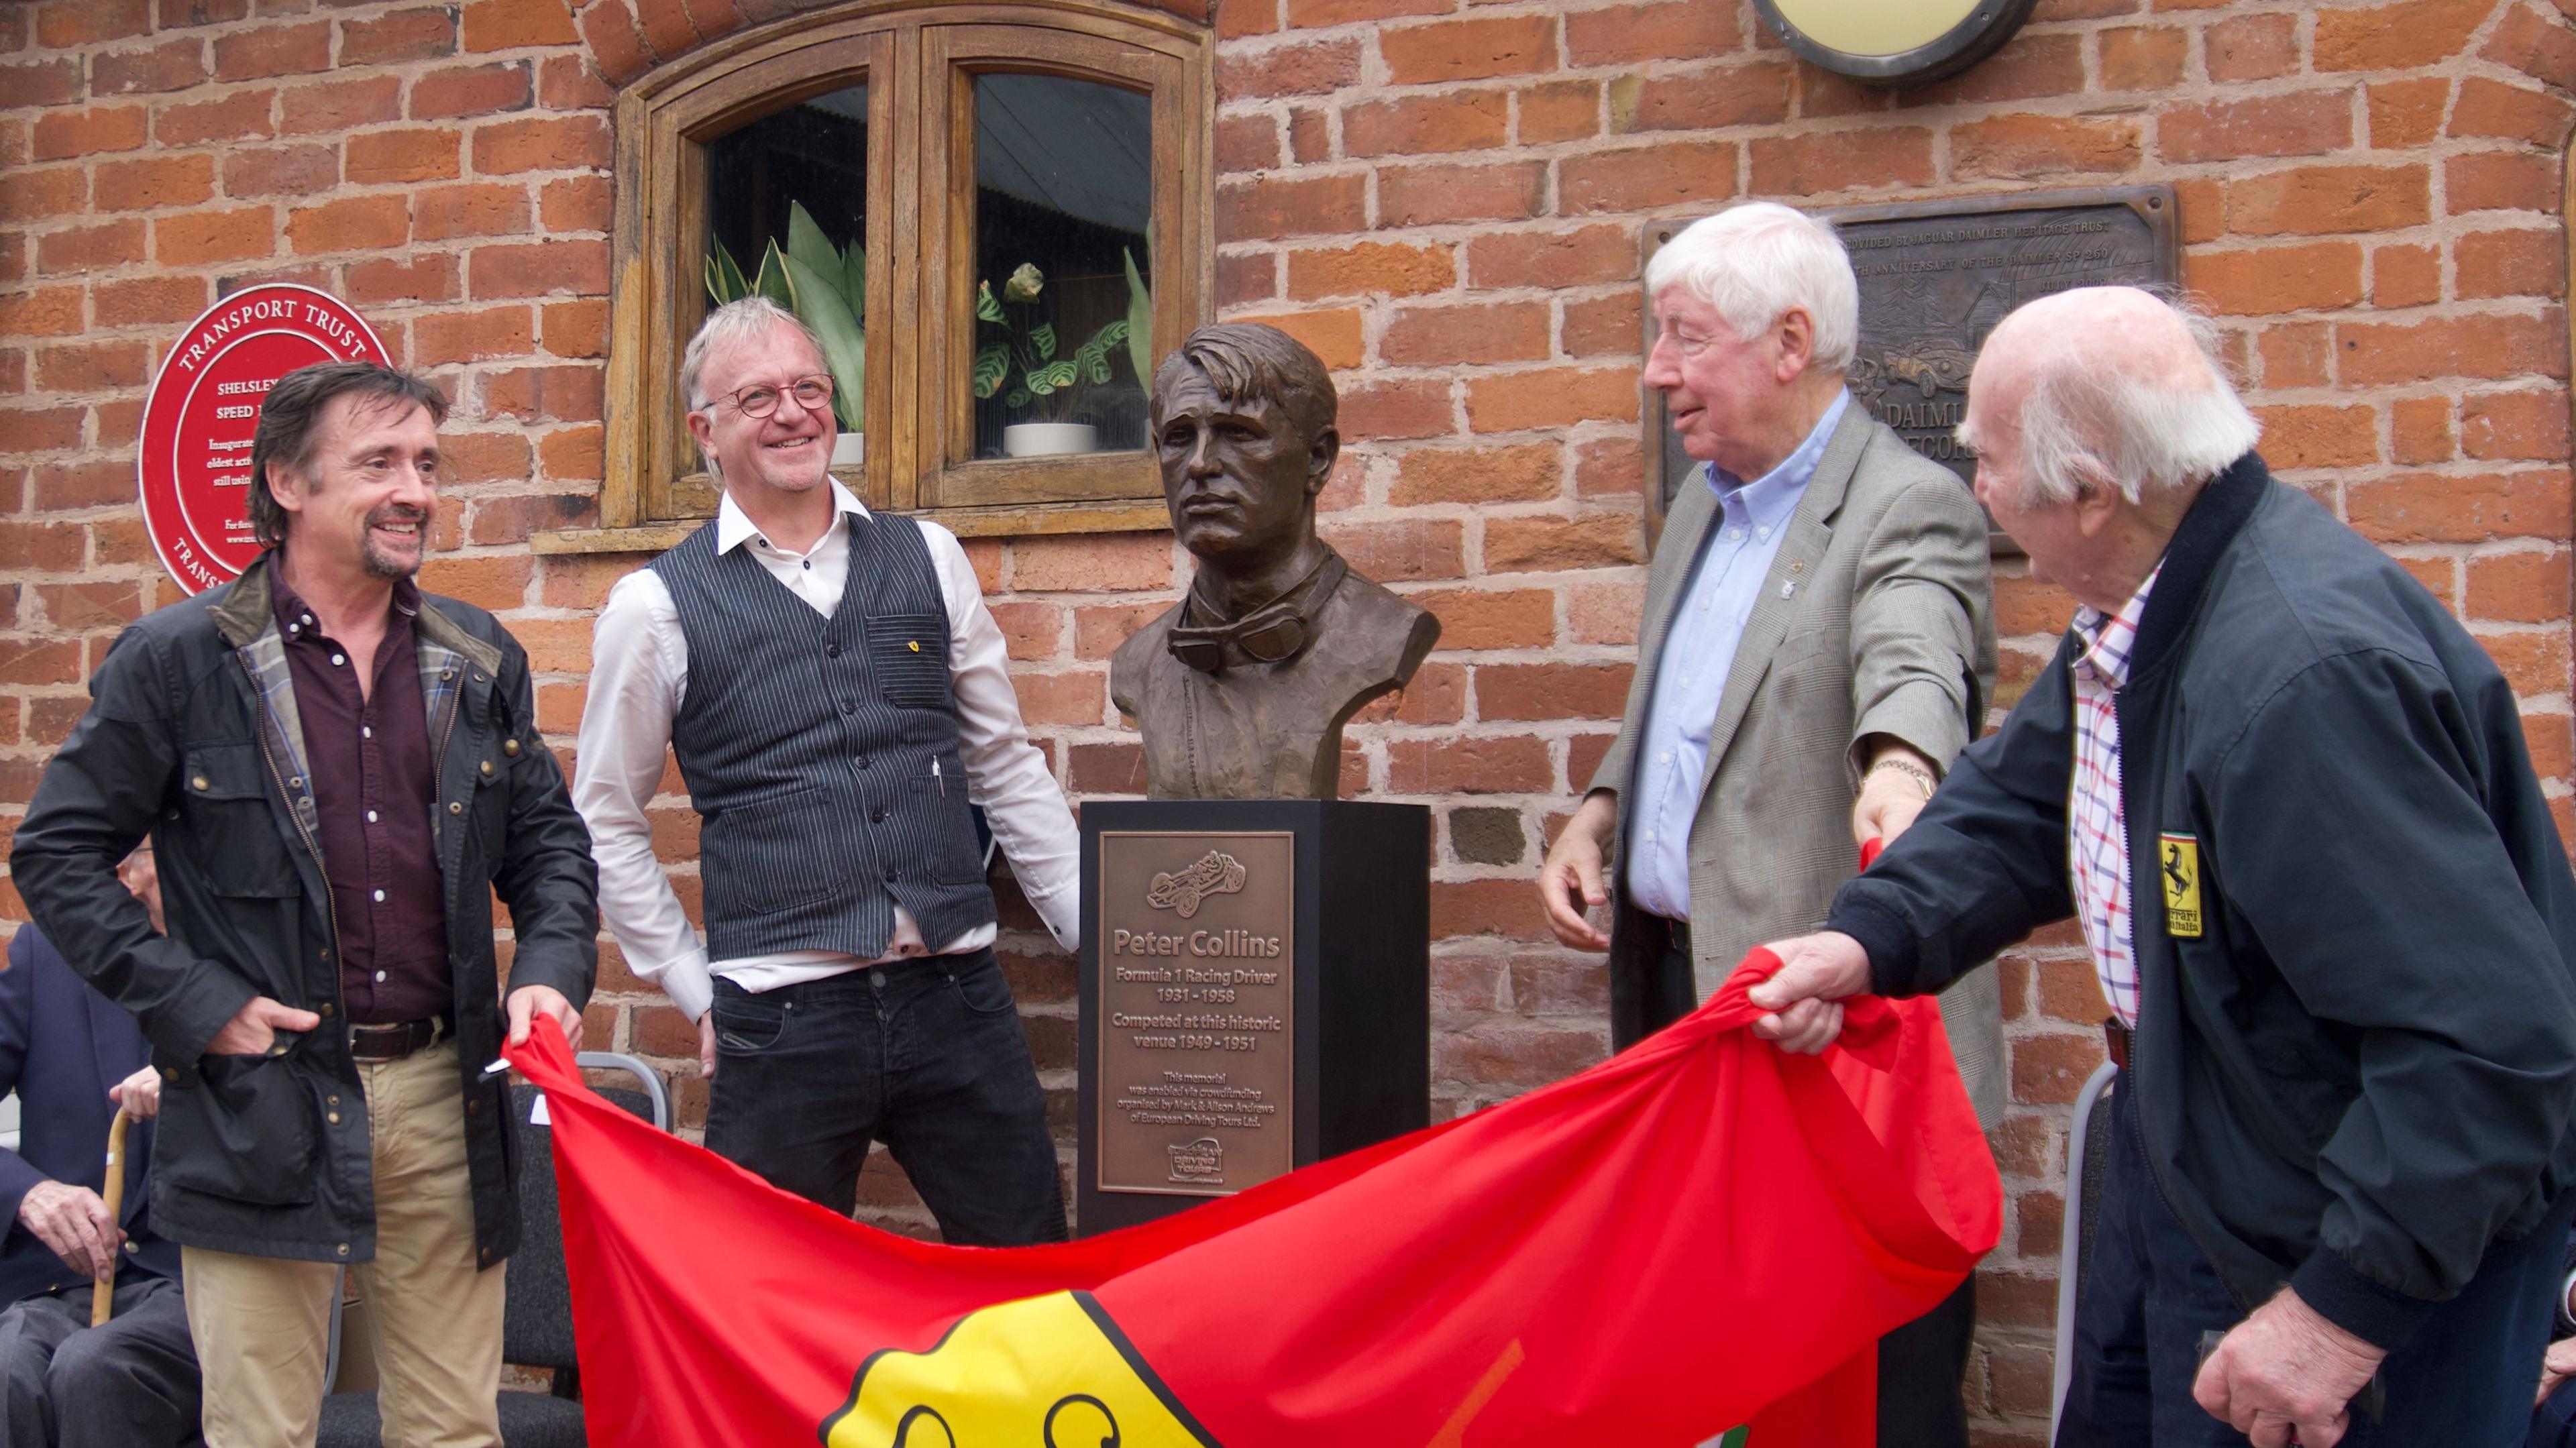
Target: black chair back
x=2096, y=1165
x=536, y=1325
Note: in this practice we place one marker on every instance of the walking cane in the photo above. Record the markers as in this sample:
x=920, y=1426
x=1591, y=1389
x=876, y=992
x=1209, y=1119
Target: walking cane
x=102, y=1294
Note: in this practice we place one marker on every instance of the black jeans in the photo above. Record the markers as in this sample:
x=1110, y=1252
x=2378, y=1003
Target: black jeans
x=925, y=1055
x=2465, y=1380
x=130, y=1384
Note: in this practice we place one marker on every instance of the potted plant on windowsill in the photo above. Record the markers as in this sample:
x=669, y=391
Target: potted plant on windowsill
x=827, y=288
x=1036, y=378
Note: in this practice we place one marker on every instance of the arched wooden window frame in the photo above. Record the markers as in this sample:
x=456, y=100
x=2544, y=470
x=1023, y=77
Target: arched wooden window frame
x=919, y=62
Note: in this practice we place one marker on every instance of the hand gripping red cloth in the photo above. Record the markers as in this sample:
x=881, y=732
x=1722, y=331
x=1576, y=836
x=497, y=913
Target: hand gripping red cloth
x=1699, y=1232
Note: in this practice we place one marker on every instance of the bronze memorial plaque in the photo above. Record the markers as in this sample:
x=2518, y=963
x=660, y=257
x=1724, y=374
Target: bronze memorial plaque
x=1197, y=1012
x=1935, y=277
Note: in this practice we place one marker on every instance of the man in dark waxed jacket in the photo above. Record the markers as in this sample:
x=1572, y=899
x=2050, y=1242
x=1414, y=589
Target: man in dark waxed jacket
x=2289, y=800
x=322, y=1036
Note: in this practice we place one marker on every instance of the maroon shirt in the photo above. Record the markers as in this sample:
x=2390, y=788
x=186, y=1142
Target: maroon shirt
x=375, y=782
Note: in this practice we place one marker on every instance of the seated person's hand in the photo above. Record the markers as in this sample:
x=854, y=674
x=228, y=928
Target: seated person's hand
x=2555, y=1369
x=75, y=1223
x=139, y=1094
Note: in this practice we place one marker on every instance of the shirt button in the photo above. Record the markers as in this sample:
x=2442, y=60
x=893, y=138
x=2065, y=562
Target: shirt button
x=487, y=769
x=366, y=731
x=339, y=658
x=380, y=894
x=831, y=651
x=877, y=978
x=380, y=975
x=343, y=1249
x=876, y=816
x=455, y=807
x=334, y=1118
x=1736, y=534
x=849, y=706
x=862, y=763
x=510, y=747
x=809, y=562
x=889, y=874
x=371, y=816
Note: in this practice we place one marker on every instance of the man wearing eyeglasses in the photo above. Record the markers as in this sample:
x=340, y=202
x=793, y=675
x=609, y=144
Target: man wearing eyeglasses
x=835, y=692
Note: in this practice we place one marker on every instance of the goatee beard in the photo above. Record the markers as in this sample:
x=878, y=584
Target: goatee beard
x=381, y=565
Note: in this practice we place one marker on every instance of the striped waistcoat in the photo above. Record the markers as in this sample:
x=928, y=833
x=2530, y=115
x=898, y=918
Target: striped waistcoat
x=821, y=754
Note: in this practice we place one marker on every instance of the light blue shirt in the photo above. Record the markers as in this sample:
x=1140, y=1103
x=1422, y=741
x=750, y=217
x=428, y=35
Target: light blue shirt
x=1699, y=650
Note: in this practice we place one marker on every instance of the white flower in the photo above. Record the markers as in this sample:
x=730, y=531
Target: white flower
x=1024, y=283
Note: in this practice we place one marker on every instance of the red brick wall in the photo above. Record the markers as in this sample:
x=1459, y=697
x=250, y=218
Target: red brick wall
x=1444, y=199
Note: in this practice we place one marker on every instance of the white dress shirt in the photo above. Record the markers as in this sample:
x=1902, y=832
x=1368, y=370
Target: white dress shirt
x=639, y=675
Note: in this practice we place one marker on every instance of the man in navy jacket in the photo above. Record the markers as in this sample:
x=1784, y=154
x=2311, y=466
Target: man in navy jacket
x=72, y=1056
x=2290, y=802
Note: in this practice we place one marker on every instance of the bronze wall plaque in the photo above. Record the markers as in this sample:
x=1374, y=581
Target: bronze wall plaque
x=1197, y=1010
x=1935, y=277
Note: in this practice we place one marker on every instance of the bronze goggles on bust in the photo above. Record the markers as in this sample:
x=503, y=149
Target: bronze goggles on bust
x=1274, y=633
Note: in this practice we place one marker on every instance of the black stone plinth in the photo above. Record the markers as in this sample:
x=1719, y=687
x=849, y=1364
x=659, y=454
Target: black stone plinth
x=1211, y=1055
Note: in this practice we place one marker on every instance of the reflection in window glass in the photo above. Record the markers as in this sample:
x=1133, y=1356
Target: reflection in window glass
x=1063, y=203
x=787, y=214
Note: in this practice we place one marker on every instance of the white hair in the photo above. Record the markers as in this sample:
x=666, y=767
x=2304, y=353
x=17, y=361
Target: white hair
x=2140, y=433
x=743, y=319
x=1756, y=261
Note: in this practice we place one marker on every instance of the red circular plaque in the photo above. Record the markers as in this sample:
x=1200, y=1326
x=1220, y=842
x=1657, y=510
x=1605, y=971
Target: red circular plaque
x=193, y=469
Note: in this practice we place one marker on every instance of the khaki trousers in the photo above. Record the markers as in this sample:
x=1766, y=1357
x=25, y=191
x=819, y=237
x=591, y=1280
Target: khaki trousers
x=261, y=1324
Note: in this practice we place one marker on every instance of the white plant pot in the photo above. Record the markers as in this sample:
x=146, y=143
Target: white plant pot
x=849, y=449
x=1049, y=439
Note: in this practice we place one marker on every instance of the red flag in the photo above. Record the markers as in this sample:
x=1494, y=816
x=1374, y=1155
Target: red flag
x=1700, y=1232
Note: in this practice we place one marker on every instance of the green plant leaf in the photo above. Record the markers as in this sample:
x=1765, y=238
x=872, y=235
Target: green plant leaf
x=772, y=281
x=724, y=277
x=1093, y=356
x=986, y=309
x=854, y=281
x=1052, y=377
x=1018, y=399
x=845, y=346
x=992, y=365
x=806, y=243
x=1140, y=322
x=1042, y=337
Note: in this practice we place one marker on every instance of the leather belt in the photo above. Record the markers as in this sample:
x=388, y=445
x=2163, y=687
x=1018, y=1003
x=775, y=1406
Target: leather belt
x=2115, y=1041
x=402, y=1038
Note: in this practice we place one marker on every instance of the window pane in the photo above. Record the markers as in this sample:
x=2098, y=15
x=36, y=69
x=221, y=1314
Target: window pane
x=1064, y=192
x=787, y=212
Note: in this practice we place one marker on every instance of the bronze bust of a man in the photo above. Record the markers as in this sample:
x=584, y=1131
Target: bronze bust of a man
x=1243, y=687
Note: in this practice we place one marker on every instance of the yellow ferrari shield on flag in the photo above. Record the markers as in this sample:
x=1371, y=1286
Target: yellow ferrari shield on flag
x=1049, y=1370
